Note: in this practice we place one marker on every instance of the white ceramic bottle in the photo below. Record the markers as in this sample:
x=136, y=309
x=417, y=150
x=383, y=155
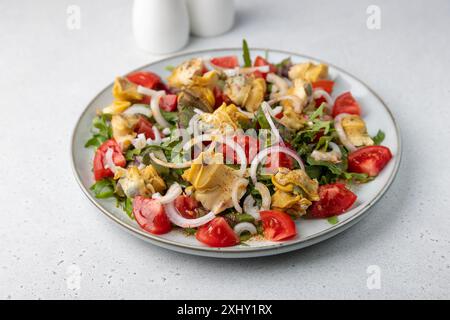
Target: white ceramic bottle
x=210, y=17
x=160, y=26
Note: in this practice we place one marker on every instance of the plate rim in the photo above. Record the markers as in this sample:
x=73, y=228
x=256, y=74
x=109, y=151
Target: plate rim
x=234, y=252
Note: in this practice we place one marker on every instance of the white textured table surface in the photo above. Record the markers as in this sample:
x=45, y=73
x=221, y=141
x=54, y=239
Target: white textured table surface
x=49, y=231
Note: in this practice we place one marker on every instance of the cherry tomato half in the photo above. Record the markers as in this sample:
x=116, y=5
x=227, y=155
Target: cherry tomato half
x=186, y=206
x=335, y=199
x=370, y=160
x=150, y=215
x=228, y=62
x=277, y=225
x=217, y=233
x=119, y=160
x=345, y=103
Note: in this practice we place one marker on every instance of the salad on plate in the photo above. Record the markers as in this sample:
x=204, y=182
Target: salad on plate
x=229, y=151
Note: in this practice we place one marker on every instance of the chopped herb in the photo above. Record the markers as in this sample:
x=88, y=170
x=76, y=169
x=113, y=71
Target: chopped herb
x=378, y=138
x=169, y=68
x=333, y=220
x=190, y=231
x=246, y=54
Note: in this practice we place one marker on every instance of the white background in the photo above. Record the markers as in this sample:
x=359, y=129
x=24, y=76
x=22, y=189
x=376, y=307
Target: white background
x=49, y=73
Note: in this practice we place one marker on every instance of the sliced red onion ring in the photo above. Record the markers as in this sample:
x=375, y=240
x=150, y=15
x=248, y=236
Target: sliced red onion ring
x=245, y=226
x=148, y=92
x=175, y=217
x=154, y=105
x=138, y=109
x=172, y=193
x=265, y=195
x=225, y=140
x=108, y=161
x=322, y=93
x=157, y=140
x=234, y=193
x=341, y=132
x=171, y=165
x=265, y=152
x=296, y=102
x=250, y=208
x=335, y=155
x=267, y=113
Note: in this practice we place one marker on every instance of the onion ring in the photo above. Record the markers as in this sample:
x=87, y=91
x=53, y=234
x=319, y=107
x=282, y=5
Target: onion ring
x=265, y=152
x=245, y=226
x=172, y=193
x=175, y=217
x=154, y=105
x=234, y=193
x=341, y=132
x=265, y=195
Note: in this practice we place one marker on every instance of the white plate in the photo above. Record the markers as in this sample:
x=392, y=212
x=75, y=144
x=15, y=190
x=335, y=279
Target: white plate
x=375, y=113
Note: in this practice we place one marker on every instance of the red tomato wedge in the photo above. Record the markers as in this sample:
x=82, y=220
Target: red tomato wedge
x=119, y=160
x=276, y=160
x=335, y=199
x=345, y=103
x=144, y=126
x=248, y=143
x=147, y=79
x=370, y=160
x=326, y=85
x=186, y=206
x=260, y=61
x=150, y=215
x=168, y=102
x=228, y=62
x=217, y=233
x=277, y=225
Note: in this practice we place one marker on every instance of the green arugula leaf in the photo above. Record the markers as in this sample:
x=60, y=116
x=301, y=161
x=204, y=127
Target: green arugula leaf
x=104, y=188
x=333, y=220
x=102, y=131
x=378, y=138
x=190, y=231
x=246, y=54
x=317, y=113
x=127, y=206
x=171, y=117
x=131, y=153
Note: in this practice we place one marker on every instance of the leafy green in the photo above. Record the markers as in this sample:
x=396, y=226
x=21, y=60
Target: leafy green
x=171, y=117
x=169, y=68
x=357, y=177
x=333, y=220
x=287, y=62
x=336, y=168
x=244, y=236
x=190, y=231
x=261, y=118
x=246, y=54
x=131, y=153
x=127, y=205
x=186, y=112
x=104, y=188
x=101, y=131
x=378, y=138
